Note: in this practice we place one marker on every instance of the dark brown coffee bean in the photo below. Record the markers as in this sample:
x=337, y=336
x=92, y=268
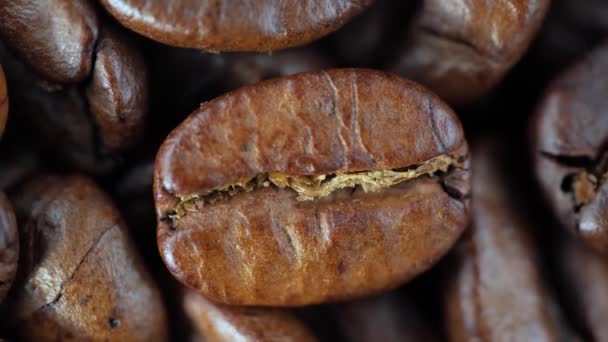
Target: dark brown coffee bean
x=3, y=102
x=82, y=279
x=461, y=48
x=9, y=246
x=218, y=322
x=90, y=123
x=584, y=276
x=496, y=293
x=569, y=133
x=55, y=37
x=388, y=318
x=227, y=25
x=118, y=92
x=316, y=187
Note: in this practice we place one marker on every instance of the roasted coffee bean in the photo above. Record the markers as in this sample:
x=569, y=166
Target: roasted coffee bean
x=81, y=277
x=55, y=37
x=9, y=246
x=218, y=322
x=227, y=25
x=88, y=123
x=317, y=187
x=3, y=102
x=461, y=48
x=387, y=317
x=569, y=134
x=496, y=293
x=584, y=278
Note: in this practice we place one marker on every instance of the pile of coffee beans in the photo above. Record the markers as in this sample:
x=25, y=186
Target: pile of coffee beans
x=303, y=170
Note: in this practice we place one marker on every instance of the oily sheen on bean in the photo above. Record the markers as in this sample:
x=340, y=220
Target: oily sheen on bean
x=268, y=243
x=229, y=25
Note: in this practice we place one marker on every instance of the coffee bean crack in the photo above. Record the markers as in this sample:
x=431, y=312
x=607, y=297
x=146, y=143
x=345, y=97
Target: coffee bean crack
x=311, y=187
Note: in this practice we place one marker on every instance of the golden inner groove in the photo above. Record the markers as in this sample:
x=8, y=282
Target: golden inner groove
x=312, y=187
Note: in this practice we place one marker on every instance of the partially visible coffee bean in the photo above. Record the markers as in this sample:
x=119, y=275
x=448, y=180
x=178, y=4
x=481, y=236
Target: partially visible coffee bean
x=264, y=191
x=388, y=317
x=55, y=37
x=3, y=101
x=496, y=293
x=569, y=134
x=462, y=48
x=9, y=246
x=584, y=277
x=86, y=124
x=218, y=322
x=81, y=278
x=227, y=25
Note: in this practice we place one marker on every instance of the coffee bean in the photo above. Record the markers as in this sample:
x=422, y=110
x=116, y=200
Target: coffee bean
x=460, y=49
x=217, y=322
x=222, y=25
x=9, y=246
x=496, y=290
x=55, y=37
x=290, y=192
x=3, y=102
x=82, y=279
x=568, y=135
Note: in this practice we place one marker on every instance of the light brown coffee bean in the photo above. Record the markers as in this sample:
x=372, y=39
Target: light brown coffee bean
x=288, y=192
x=82, y=279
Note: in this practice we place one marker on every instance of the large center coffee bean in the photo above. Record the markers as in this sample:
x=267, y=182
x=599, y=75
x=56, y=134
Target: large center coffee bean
x=569, y=137
x=229, y=25
x=316, y=187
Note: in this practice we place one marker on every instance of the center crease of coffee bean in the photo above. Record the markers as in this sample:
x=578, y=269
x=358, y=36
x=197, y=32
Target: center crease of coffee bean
x=310, y=187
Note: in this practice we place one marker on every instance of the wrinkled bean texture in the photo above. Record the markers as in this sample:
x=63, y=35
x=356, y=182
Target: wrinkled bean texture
x=234, y=25
x=3, y=102
x=569, y=134
x=9, y=246
x=55, y=37
x=81, y=278
x=223, y=323
x=265, y=247
x=496, y=293
x=461, y=48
